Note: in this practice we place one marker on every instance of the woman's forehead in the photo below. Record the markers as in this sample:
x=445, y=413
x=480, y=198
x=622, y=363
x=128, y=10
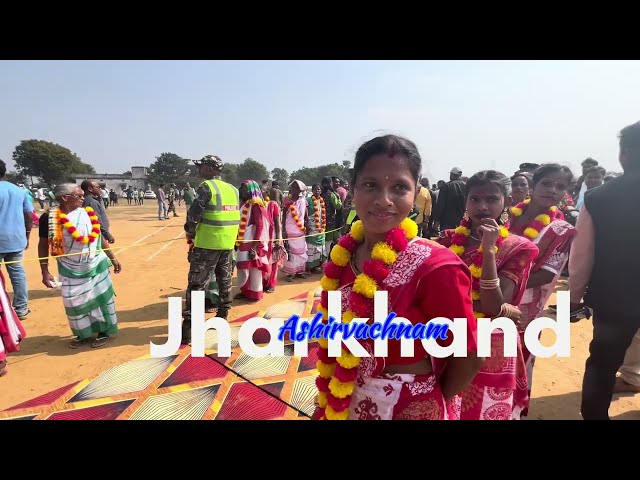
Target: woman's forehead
x=485, y=189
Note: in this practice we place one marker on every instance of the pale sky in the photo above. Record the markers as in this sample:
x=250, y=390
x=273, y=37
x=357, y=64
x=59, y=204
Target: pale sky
x=474, y=115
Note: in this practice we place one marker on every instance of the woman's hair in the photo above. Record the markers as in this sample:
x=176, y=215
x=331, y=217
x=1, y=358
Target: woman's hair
x=64, y=189
x=549, y=168
x=300, y=185
x=253, y=189
x=494, y=177
x=391, y=145
x=527, y=176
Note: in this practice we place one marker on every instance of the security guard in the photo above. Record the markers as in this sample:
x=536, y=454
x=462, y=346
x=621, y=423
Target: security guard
x=212, y=226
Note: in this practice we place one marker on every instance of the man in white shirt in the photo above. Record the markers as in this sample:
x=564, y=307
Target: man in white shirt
x=580, y=185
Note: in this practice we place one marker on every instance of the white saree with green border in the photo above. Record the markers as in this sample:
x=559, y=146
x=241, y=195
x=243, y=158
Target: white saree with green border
x=87, y=291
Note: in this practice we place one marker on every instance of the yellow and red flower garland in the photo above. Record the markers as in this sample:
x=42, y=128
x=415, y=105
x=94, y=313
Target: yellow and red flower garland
x=541, y=221
x=244, y=213
x=294, y=215
x=336, y=380
x=459, y=239
x=243, y=223
x=86, y=239
x=320, y=216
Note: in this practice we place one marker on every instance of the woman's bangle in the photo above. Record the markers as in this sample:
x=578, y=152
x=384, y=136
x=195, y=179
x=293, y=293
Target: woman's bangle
x=508, y=310
x=490, y=284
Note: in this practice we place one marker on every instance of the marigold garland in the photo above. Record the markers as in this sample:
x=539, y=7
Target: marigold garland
x=294, y=215
x=243, y=223
x=320, y=214
x=244, y=214
x=73, y=231
x=538, y=223
x=459, y=240
x=336, y=380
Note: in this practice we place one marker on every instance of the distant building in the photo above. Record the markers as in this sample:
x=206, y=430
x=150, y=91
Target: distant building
x=136, y=178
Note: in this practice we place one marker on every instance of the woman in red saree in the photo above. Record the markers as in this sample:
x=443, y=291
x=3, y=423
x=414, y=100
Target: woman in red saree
x=541, y=221
x=275, y=249
x=253, y=241
x=423, y=281
x=11, y=330
x=499, y=390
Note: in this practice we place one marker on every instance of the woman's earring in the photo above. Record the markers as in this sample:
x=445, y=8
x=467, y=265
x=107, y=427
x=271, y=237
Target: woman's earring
x=504, y=217
x=466, y=216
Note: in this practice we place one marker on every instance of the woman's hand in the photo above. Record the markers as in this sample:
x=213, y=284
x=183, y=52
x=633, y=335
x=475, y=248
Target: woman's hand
x=488, y=232
x=515, y=314
x=48, y=280
x=117, y=268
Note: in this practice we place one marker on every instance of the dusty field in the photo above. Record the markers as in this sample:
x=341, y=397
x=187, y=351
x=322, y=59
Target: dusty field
x=154, y=272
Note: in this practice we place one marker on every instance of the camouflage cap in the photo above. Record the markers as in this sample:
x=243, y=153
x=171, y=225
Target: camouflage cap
x=212, y=160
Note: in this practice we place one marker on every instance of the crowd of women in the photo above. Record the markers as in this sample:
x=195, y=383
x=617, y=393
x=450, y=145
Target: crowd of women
x=503, y=259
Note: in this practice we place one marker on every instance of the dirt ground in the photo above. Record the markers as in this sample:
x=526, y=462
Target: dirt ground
x=152, y=273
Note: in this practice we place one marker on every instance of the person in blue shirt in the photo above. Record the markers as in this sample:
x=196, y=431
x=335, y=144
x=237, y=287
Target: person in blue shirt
x=16, y=221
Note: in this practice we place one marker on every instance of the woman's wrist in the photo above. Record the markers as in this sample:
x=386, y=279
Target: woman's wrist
x=489, y=284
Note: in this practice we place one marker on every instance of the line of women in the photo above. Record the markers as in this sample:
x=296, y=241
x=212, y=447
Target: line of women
x=260, y=251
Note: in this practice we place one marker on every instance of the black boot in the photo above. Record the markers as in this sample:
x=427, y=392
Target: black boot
x=222, y=314
x=186, y=332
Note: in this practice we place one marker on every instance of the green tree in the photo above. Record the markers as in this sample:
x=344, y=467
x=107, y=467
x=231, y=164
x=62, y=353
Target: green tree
x=306, y=175
x=190, y=177
x=281, y=176
x=311, y=175
x=230, y=174
x=330, y=170
x=80, y=167
x=15, y=177
x=252, y=170
x=169, y=168
x=51, y=162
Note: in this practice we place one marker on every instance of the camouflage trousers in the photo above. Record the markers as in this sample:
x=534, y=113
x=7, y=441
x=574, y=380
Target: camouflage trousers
x=203, y=263
x=172, y=208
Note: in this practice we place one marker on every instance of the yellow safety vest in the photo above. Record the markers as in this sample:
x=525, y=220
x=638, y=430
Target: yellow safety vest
x=218, y=227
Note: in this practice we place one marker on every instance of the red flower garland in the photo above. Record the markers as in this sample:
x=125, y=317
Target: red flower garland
x=86, y=239
x=459, y=240
x=243, y=223
x=337, y=376
x=540, y=222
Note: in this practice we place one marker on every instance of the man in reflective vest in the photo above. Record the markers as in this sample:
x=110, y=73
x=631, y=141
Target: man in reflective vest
x=212, y=227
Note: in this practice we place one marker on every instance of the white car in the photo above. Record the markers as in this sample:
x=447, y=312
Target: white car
x=150, y=195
